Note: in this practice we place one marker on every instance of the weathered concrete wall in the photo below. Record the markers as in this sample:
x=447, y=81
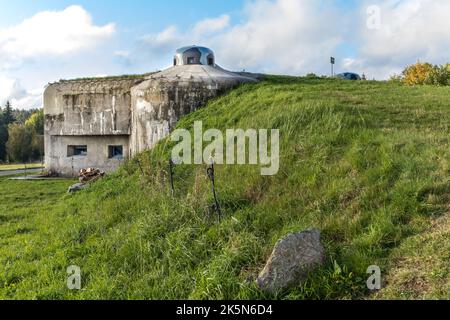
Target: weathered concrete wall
x=97, y=107
x=86, y=112
x=157, y=106
x=160, y=101
x=57, y=159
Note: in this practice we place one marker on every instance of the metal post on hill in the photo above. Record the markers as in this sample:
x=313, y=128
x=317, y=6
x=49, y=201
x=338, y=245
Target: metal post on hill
x=216, y=205
x=171, y=176
x=140, y=167
x=332, y=61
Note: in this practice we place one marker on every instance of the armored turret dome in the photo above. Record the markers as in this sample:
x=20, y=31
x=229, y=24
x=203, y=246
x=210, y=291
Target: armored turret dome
x=194, y=55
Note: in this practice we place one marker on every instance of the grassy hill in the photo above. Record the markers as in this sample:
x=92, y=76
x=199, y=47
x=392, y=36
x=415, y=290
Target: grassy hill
x=365, y=162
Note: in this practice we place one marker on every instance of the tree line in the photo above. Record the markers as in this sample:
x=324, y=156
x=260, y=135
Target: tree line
x=424, y=73
x=21, y=134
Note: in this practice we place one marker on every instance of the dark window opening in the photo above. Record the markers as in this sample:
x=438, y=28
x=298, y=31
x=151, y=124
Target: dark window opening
x=76, y=151
x=115, y=152
x=210, y=61
x=190, y=60
x=175, y=61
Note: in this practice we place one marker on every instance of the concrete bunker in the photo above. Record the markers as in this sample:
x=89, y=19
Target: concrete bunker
x=101, y=122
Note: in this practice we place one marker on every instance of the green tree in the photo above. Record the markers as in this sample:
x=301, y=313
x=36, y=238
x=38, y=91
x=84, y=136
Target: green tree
x=439, y=76
x=21, y=116
x=20, y=143
x=8, y=116
x=3, y=136
x=37, y=147
x=36, y=121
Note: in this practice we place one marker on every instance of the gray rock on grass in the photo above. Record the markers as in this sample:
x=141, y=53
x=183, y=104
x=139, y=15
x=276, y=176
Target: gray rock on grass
x=292, y=259
x=77, y=187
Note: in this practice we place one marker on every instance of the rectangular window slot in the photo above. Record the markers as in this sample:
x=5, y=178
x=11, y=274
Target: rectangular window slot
x=115, y=152
x=74, y=151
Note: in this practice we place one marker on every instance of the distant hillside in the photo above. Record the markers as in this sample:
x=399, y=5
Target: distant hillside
x=365, y=162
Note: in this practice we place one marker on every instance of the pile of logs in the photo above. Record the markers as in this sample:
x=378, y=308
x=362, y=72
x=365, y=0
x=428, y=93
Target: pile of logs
x=90, y=175
x=86, y=177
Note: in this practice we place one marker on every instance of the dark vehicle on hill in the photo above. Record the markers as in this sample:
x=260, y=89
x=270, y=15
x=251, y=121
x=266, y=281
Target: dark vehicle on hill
x=349, y=76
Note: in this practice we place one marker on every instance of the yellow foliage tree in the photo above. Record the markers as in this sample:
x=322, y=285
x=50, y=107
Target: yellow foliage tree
x=417, y=74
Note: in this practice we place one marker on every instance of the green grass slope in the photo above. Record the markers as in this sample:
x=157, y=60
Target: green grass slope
x=365, y=162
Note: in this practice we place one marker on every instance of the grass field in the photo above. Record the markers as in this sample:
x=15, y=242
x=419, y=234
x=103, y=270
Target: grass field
x=365, y=162
x=5, y=167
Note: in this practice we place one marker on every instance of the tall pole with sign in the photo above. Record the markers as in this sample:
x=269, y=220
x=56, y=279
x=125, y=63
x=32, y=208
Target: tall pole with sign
x=332, y=61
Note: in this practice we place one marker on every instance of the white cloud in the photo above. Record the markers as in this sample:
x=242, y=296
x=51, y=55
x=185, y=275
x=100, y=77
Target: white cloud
x=50, y=37
x=156, y=46
x=122, y=53
x=166, y=35
x=209, y=26
x=410, y=30
x=51, y=33
x=283, y=36
x=33, y=99
x=10, y=88
x=13, y=91
x=171, y=37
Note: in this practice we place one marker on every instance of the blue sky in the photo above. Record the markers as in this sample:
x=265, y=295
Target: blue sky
x=43, y=41
x=141, y=15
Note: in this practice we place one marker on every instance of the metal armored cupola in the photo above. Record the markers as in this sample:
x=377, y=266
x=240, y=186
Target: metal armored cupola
x=194, y=55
